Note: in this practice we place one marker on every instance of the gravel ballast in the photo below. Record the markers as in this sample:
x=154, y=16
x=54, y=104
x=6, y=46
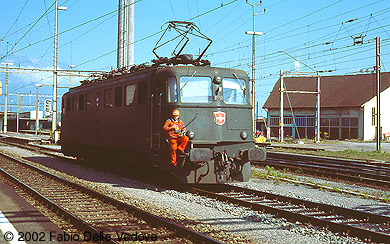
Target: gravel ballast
x=233, y=224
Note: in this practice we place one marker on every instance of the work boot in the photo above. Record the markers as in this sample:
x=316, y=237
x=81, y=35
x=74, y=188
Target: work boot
x=180, y=153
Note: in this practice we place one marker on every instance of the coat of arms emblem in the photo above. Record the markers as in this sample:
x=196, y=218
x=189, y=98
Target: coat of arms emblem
x=219, y=118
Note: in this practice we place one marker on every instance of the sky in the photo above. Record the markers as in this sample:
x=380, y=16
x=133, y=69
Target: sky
x=336, y=36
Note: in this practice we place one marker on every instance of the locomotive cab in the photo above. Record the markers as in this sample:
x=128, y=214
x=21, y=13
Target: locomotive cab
x=215, y=107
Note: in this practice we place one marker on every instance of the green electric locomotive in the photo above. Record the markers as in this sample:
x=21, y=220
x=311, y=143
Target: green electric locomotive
x=123, y=113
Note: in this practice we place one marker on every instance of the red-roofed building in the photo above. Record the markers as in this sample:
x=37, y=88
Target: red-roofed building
x=347, y=107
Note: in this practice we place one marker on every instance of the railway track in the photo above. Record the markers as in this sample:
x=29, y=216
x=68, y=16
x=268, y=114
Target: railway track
x=364, y=225
x=98, y=217
x=21, y=143
x=372, y=173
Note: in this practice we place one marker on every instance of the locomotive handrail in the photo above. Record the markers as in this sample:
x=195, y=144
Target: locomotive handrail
x=196, y=115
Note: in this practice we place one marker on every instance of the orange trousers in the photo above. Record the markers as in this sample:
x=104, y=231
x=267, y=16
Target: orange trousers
x=177, y=143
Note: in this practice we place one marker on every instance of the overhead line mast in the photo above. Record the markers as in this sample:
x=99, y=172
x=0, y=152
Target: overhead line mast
x=253, y=33
x=55, y=71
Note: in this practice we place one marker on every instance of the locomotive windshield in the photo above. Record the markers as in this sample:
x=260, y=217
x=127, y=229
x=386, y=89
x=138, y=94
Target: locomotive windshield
x=195, y=89
x=234, y=91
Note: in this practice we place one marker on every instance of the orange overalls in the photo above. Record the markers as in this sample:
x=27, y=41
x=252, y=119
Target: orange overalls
x=172, y=128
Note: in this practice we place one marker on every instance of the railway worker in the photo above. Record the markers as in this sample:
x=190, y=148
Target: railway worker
x=174, y=129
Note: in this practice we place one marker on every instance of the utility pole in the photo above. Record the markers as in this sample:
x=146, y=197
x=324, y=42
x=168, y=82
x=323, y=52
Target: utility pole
x=318, y=108
x=54, y=119
x=37, y=111
x=281, y=120
x=70, y=76
x=283, y=91
x=318, y=93
x=6, y=94
x=378, y=95
x=17, y=117
x=253, y=33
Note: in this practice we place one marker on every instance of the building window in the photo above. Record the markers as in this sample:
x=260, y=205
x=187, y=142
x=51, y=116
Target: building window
x=345, y=122
x=288, y=121
x=324, y=122
x=274, y=121
x=334, y=122
x=300, y=121
x=354, y=122
x=311, y=121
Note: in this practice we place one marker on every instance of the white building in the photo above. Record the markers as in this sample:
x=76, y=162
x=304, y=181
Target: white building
x=347, y=104
x=369, y=128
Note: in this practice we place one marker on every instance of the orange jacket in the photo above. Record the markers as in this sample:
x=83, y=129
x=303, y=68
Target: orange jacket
x=172, y=128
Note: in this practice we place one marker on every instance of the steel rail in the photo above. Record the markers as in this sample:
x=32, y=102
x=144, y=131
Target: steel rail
x=353, y=171
x=24, y=143
x=74, y=220
x=361, y=170
x=322, y=171
x=216, y=192
x=152, y=219
x=324, y=159
x=347, y=163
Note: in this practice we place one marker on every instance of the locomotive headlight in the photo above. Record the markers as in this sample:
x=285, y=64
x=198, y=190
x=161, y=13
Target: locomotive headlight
x=190, y=134
x=243, y=135
x=217, y=80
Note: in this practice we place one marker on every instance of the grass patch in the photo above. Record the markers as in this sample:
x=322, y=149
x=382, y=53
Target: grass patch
x=386, y=199
x=274, y=173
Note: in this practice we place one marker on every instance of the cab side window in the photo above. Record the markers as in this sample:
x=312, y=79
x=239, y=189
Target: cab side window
x=81, y=102
x=118, y=96
x=142, y=92
x=108, y=98
x=68, y=104
x=88, y=101
x=75, y=103
x=129, y=94
x=172, y=90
